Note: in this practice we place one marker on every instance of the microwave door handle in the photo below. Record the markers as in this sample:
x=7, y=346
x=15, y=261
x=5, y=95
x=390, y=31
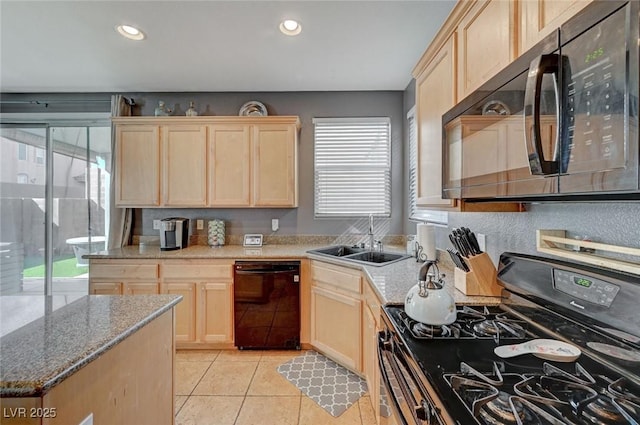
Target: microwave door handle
x=544, y=64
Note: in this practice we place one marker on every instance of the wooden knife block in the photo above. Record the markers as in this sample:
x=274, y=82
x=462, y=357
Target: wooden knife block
x=480, y=280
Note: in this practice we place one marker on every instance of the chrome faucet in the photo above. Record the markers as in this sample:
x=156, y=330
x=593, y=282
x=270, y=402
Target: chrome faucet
x=370, y=232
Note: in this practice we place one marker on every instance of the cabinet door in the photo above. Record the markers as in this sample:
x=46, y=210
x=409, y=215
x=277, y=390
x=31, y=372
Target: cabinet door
x=140, y=288
x=137, y=165
x=336, y=326
x=370, y=359
x=105, y=288
x=275, y=166
x=436, y=95
x=215, y=312
x=185, y=310
x=230, y=166
x=184, y=172
x=486, y=43
x=538, y=18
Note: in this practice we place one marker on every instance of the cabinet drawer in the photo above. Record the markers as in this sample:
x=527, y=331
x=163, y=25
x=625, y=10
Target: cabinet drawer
x=125, y=271
x=336, y=276
x=196, y=270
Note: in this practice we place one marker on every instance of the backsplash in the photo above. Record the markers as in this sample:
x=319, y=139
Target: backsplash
x=613, y=223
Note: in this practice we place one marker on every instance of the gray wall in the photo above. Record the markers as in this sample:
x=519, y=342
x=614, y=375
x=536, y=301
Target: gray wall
x=615, y=223
x=307, y=105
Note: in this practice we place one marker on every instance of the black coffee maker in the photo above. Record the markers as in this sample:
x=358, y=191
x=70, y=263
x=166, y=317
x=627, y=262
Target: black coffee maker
x=174, y=233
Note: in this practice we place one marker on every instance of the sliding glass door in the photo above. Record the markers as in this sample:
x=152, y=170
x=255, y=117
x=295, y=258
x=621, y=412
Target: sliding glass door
x=54, y=190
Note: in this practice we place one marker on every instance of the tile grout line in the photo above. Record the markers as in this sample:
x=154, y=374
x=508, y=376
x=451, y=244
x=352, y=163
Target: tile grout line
x=300, y=409
x=244, y=398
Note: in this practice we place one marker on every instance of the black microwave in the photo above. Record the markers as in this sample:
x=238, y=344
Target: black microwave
x=559, y=123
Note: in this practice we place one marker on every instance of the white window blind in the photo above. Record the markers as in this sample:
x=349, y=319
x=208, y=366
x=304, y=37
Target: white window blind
x=413, y=165
x=352, y=158
x=415, y=212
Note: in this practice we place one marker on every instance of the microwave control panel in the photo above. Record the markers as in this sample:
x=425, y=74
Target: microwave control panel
x=594, y=70
x=585, y=288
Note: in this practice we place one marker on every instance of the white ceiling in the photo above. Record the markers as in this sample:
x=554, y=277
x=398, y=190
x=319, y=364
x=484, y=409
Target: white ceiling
x=71, y=46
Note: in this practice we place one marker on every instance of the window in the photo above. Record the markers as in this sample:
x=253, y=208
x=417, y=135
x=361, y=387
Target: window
x=22, y=152
x=415, y=212
x=39, y=157
x=22, y=178
x=352, y=158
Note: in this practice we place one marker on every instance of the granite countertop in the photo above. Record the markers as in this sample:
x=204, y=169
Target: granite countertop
x=61, y=338
x=392, y=282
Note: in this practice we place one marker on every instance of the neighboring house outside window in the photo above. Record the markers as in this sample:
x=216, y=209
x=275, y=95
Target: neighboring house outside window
x=22, y=152
x=39, y=157
x=352, y=159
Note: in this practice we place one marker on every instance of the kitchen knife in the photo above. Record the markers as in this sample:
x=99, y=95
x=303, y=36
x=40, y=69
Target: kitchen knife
x=457, y=260
x=466, y=250
x=473, y=241
x=454, y=241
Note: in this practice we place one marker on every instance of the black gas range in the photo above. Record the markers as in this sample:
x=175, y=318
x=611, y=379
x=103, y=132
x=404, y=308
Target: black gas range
x=451, y=375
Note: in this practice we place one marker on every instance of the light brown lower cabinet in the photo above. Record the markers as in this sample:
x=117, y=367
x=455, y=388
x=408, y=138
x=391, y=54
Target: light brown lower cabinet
x=336, y=313
x=205, y=315
x=203, y=318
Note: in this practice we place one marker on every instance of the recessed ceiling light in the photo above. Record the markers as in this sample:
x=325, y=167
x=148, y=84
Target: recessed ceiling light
x=290, y=27
x=132, y=33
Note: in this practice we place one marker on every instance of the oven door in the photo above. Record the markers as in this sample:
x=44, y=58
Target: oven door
x=409, y=405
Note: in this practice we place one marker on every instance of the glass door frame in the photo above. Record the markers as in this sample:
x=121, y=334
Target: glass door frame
x=48, y=125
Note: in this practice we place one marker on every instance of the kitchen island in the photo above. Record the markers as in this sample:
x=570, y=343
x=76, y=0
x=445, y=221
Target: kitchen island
x=108, y=358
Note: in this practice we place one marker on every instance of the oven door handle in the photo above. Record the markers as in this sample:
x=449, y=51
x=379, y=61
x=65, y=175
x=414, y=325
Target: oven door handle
x=383, y=345
x=260, y=272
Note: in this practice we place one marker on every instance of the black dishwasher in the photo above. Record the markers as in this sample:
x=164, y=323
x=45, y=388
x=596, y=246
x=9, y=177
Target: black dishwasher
x=267, y=304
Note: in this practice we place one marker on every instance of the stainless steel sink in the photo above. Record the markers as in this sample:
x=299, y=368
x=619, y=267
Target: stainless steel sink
x=338, y=251
x=359, y=255
x=377, y=257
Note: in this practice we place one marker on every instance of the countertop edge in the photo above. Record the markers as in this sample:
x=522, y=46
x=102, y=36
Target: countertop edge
x=41, y=390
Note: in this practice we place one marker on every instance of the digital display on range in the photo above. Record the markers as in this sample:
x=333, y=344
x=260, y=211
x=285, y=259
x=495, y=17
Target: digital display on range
x=583, y=288
x=582, y=281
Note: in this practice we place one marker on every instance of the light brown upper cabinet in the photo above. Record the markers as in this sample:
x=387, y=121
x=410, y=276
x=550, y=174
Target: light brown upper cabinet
x=436, y=94
x=486, y=38
x=137, y=165
x=230, y=170
x=538, y=18
x=275, y=165
x=184, y=165
x=236, y=162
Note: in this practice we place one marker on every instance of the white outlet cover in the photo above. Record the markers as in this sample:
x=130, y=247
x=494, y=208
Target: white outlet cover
x=156, y=224
x=200, y=224
x=482, y=242
x=275, y=224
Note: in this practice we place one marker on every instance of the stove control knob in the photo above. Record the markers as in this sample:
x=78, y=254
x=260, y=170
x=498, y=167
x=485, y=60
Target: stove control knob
x=423, y=412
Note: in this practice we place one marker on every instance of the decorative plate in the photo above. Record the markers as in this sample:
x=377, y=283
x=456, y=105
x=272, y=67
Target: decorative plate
x=253, y=108
x=495, y=107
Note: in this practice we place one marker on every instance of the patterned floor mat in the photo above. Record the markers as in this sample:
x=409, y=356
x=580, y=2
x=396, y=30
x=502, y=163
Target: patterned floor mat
x=331, y=386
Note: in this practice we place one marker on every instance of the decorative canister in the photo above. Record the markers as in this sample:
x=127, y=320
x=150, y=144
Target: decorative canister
x=216, y=233
x=161, y=110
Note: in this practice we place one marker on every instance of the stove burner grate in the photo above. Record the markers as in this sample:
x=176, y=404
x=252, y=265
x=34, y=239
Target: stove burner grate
x=470, y=323
x=556, y=397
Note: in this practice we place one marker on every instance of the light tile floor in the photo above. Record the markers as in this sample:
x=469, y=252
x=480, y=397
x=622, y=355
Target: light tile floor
x=233, y=387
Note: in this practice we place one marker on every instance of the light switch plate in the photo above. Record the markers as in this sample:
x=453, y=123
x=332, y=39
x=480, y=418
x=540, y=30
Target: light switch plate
x=156, y=224
x=275, y=224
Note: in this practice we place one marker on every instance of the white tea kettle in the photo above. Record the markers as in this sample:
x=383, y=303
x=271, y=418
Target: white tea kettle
x=427, y=302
